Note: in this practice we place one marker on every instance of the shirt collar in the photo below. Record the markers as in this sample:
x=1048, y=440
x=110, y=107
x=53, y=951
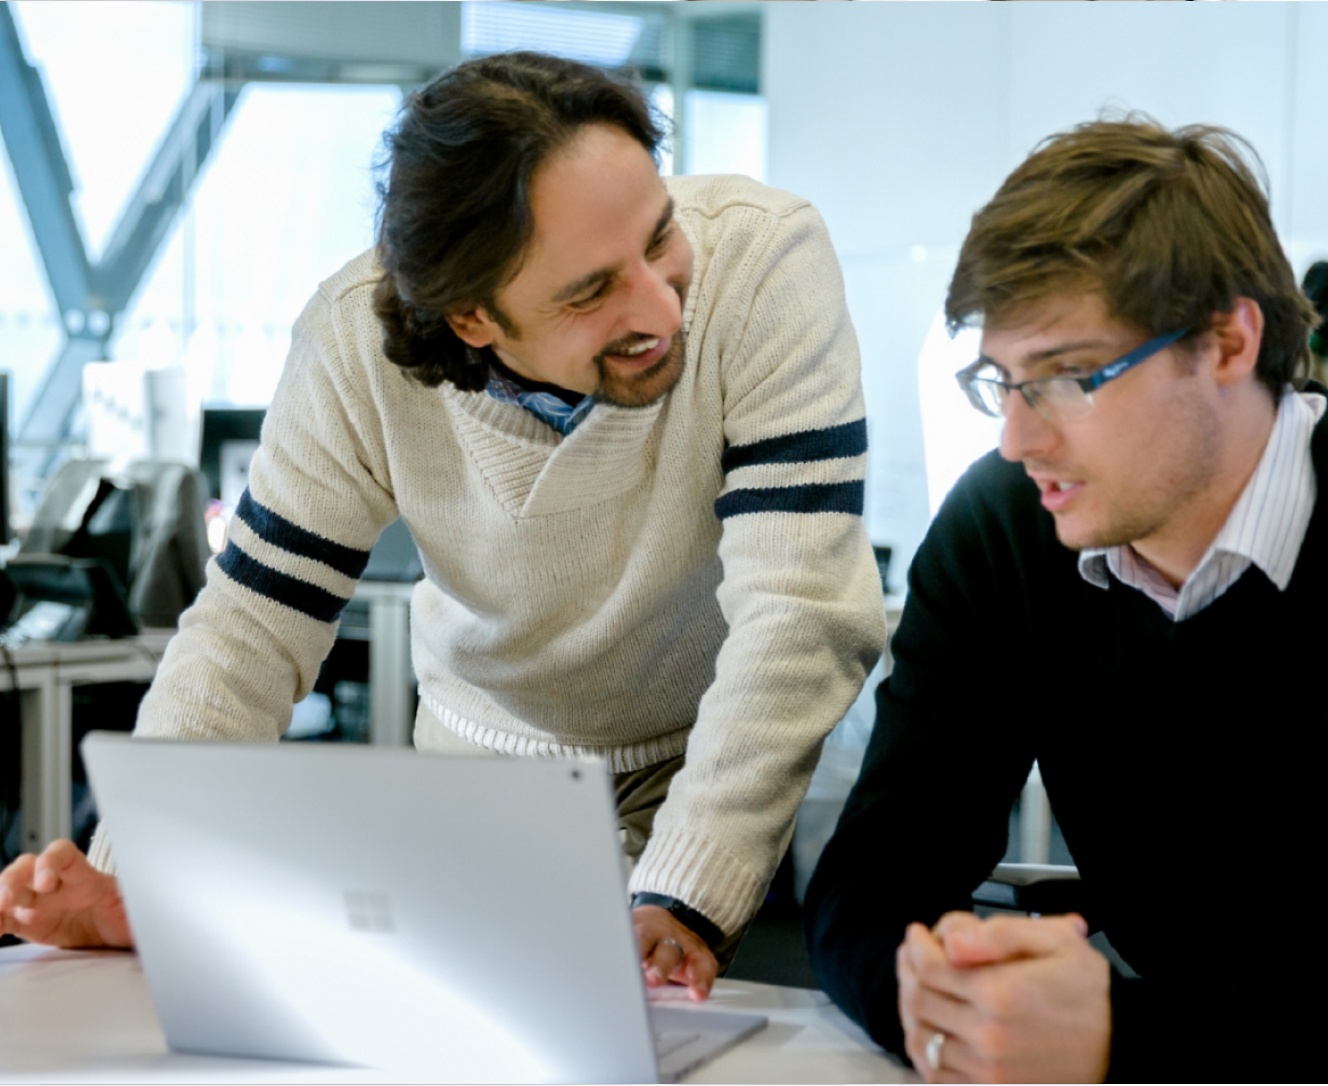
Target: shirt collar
x=1268, y=522
x=554, y=406
x=545, y=406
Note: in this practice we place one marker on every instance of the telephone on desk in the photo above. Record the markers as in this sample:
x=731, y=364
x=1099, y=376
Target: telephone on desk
x=46, y=620
x=56, y=598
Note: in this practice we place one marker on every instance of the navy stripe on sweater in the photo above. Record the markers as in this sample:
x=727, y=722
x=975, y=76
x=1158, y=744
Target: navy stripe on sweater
x=830, y=443
x=810, y=498
x=280, y=587
x=275, y=529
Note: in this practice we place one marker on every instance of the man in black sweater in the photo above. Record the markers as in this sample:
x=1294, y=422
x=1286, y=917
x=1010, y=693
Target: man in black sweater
x=1134, y=594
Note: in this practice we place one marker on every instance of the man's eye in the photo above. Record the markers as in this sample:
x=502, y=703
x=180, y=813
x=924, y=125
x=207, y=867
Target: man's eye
x=1075, y=370
x=589, y=299
x=660, y=243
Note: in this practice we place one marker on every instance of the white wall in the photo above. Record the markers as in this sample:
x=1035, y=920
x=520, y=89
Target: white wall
x=899, y=120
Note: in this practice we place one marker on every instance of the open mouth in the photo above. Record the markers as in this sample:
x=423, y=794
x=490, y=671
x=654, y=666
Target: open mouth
x=1058, y=493
x=641, y=354
x=640, y=348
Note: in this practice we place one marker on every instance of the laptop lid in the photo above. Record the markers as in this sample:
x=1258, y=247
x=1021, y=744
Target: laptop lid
x=463, y=918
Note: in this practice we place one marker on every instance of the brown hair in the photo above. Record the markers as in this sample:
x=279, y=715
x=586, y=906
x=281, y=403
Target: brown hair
x=1171, y=226
x=454, y=217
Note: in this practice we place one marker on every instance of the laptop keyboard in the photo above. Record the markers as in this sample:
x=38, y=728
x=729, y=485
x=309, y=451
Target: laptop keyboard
x=687, y=1037
x=670, y=1042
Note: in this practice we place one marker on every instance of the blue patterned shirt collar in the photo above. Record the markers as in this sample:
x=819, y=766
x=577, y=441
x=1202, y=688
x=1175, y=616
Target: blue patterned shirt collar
x=545, y=406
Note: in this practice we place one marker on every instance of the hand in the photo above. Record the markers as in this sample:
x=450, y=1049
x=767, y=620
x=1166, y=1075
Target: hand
x=60, y=899
x=671, y=953
x=1018, y=999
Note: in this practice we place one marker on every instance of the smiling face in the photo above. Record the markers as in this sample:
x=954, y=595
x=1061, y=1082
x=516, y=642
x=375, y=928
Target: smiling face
x=596, y=306
x=1146, y=466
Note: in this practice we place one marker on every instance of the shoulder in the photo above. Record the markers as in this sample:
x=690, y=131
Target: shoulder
x=993, y=517
x=337, y=350
x=989, y=563
x=713, y=196
x=995, y=486
x=344, y=298
x=727, y=212
x=759, y=255
x=357, y=277
x=339, y=320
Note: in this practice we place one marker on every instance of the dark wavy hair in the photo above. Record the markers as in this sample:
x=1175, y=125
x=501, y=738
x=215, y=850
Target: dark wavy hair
x=454, y=216
x=1171, y=226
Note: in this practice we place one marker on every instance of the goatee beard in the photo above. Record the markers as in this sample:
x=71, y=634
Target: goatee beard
x=646, y=388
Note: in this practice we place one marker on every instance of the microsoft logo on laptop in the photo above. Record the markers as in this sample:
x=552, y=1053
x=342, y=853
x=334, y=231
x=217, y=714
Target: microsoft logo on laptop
x=370, y=912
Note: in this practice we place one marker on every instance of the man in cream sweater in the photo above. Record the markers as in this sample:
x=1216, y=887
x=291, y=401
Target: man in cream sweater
x=623, y=421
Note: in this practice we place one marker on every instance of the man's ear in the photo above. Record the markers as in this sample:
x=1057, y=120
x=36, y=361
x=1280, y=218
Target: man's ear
x=1239, y=335
x=473, y=326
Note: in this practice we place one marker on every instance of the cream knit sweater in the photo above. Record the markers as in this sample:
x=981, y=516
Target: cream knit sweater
x=690, y=576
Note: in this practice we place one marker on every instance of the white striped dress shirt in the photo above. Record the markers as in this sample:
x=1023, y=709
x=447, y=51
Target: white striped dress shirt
x=1265, y=528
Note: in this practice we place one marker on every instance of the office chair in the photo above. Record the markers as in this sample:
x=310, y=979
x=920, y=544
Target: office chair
x=1036, y=889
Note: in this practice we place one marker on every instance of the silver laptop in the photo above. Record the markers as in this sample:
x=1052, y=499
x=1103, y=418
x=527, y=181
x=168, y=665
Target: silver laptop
x=462, y=918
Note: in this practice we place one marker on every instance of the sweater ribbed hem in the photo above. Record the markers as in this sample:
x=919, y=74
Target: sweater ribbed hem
x=625, y=758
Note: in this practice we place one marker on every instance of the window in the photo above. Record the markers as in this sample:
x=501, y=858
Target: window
x=287, y=199
x=953, y=433
x=286, y=195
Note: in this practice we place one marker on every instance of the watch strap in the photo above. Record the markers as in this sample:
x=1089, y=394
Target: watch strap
x=708, y=932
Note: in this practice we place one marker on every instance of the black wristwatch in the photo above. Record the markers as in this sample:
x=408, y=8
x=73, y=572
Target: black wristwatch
x=708, y=932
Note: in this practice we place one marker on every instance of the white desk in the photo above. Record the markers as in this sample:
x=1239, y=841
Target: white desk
x=48, y=671
x=46, y=674
x=87, y=1017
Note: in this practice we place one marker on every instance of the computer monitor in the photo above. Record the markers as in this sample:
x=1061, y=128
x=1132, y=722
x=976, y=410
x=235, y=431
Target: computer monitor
x=228, y=441
x=230, y=437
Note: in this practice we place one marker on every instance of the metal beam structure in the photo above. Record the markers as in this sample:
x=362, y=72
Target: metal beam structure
x=147, y=217
x=90, y=296
x=139, y=233
x=41, y=171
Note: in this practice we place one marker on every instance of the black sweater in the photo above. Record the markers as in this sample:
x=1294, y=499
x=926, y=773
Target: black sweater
x=1185, y=762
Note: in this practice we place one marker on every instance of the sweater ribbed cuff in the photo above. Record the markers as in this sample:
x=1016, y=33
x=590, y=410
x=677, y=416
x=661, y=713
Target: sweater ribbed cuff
x=706, y=876
x=100, y=854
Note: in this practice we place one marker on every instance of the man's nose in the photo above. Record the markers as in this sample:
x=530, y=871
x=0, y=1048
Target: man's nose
x=655, y=308
x=1026, y=435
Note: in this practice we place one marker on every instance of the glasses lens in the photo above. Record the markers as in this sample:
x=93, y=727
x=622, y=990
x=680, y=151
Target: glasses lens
x=991, y=395
x=984, y=390
x=1062, y=398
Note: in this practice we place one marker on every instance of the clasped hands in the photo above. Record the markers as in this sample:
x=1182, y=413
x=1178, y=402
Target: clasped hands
x=60, y=899
x=1004, y=999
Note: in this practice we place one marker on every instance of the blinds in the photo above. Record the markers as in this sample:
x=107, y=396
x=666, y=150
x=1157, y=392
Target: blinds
x=406, y=43
x=722, y=52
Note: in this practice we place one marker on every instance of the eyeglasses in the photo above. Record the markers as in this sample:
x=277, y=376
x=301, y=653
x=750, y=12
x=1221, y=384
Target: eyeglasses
x=1055, y=398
